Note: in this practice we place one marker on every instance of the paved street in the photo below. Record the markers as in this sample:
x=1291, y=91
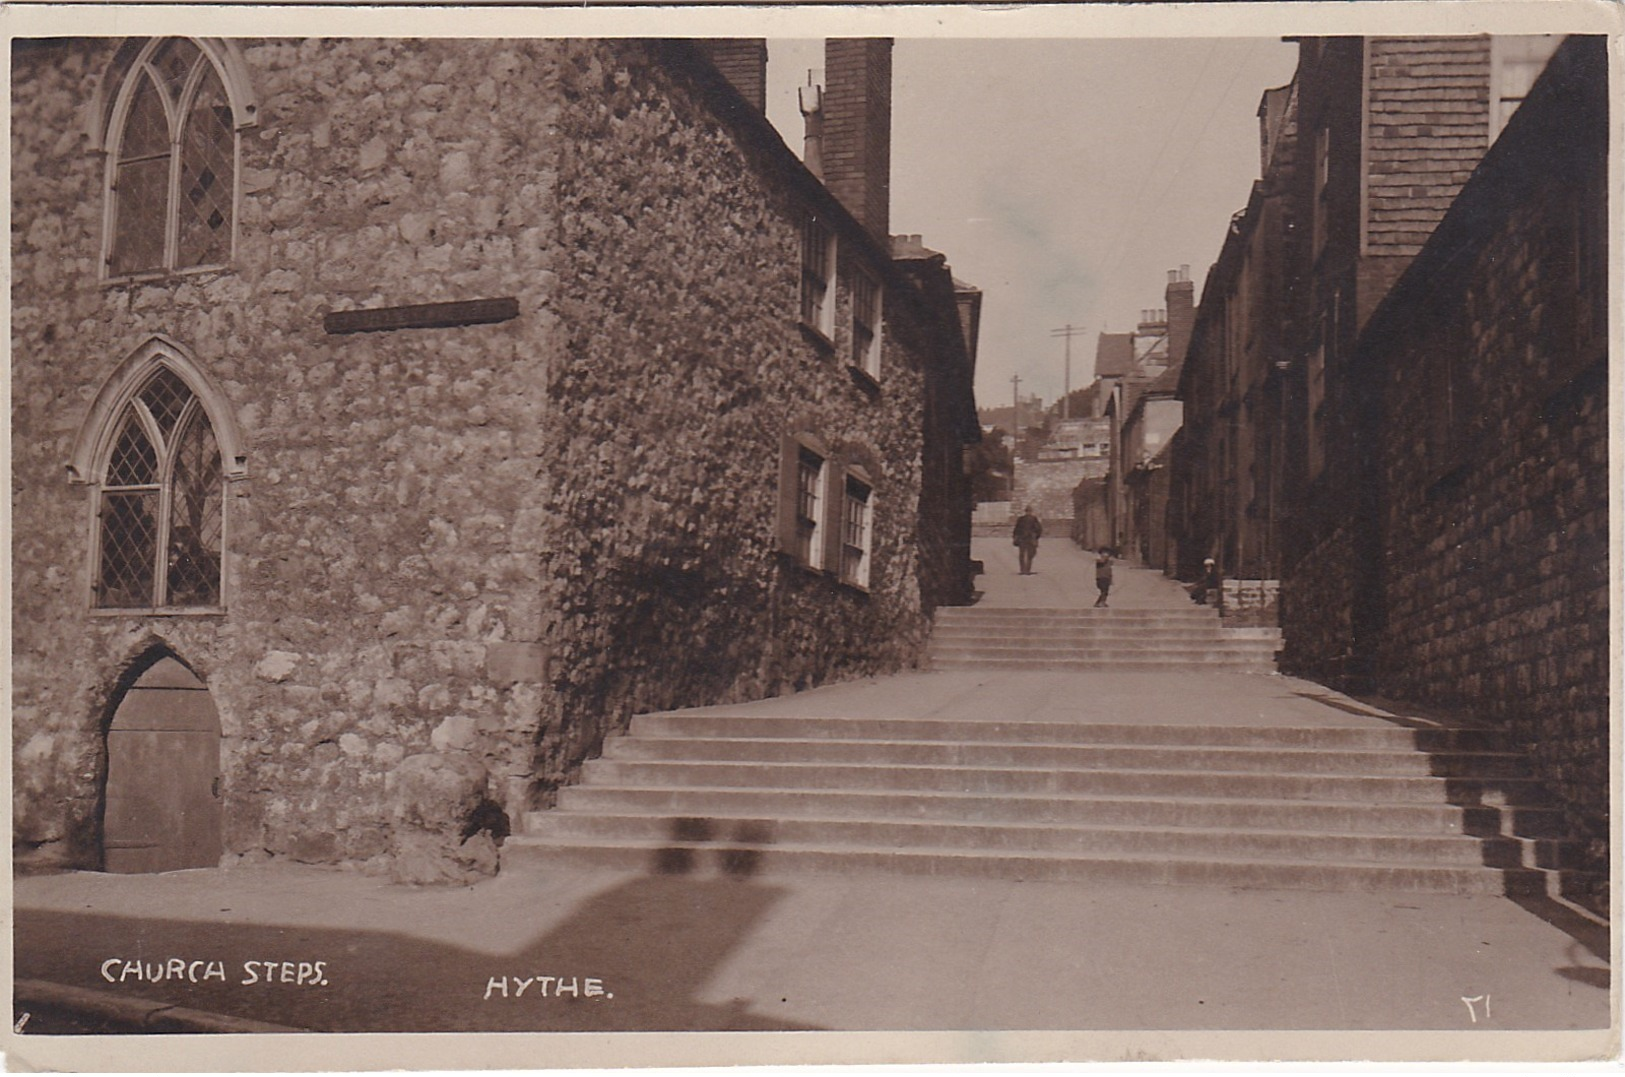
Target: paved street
x=1064, y=575
x=810, y=952
x=705, y=952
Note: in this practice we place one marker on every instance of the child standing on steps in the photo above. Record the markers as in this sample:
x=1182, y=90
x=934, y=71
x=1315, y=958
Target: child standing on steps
x=1103, y=575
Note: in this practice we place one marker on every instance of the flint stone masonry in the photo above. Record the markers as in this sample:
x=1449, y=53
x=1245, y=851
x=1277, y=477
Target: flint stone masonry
x=462, y=553
x=1048, y=485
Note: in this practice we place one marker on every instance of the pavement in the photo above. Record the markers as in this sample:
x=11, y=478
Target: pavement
x=1064, y=576
x=806, y=952
x=552, y=948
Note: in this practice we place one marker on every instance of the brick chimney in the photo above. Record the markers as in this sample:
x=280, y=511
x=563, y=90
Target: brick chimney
x=1180, y=298
x=743, y=61
x=857, y=128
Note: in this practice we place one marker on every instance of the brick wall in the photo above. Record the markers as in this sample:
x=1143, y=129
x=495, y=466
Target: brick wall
x=857, y=128
x=1493, y=466
x=1497, y=545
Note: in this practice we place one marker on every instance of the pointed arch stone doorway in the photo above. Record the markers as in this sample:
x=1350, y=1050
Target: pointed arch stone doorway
x=162, y=804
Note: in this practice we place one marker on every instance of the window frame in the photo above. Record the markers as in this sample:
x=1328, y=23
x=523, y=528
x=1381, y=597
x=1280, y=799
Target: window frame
x=865, y=523
x=166, y=450
x=818, y=292
x=864, y=354
x=810, y=526
x=97, y=438
x=131, y=74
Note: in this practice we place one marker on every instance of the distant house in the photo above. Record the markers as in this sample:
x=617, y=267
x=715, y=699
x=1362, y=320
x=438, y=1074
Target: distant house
x=1135, y=377
x=393, y=419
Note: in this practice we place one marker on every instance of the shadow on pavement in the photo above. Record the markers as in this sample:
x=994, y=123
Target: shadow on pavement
x=649, y=944
x=1504, y=829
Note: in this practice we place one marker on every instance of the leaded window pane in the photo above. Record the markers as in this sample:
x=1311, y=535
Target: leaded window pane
x=146, y=129
x=134, y=461
x=128, y=545
x=138, y=234
x=165, y=396
x=174, y=60
x=195, y=517
x=206, y=182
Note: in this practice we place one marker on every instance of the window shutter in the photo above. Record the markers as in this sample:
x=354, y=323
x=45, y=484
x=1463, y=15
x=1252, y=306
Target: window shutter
x=789, y=461
x=834, y=512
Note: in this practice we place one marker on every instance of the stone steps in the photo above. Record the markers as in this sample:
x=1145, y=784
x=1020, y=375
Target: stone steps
x=1358, y=803
x=1079, y=809
x=1071, y=840
x=1089, y=633
x=1090, y=639
x=756, y=858
x=1495, y=792
x=1055, y=757
x=708, y=723
x=1137, y=664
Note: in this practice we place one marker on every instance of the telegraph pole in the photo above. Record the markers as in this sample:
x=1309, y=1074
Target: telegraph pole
x=1067, y=334
x=1015, y=400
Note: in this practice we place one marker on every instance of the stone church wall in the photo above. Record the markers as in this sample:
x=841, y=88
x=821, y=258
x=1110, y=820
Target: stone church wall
x=382, y=551
x=456, y=552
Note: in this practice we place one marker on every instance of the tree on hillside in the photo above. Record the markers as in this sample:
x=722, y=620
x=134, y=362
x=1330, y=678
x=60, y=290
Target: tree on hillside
x=991, y=467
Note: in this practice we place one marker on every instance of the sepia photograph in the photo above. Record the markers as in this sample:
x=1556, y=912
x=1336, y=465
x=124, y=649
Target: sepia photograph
x=1058, y=534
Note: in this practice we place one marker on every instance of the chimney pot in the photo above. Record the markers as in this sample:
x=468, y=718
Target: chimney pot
x=811, y=100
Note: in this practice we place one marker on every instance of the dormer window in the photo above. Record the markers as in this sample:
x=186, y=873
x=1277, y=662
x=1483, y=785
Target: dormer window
x=171, y=163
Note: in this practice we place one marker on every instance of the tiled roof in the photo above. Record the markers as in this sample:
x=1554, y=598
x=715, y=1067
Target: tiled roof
x=1114, y=355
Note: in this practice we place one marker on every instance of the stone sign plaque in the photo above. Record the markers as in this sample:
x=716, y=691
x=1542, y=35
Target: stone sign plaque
x=422, y=316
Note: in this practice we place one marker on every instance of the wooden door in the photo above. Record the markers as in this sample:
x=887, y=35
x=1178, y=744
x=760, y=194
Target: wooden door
x=163, y=775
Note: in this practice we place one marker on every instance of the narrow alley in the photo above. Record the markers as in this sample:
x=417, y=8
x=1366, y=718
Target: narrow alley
x=513, y=530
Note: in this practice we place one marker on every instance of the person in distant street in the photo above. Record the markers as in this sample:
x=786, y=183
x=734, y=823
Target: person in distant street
x=1208, y=585
x=1103, y=576
x=1028, y=530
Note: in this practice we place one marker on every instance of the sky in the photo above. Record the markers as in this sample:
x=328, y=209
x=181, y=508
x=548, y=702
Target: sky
x=1063, y=177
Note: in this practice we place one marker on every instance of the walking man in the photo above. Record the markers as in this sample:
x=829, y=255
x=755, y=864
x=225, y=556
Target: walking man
x=1028, y=530
x=1103, y=576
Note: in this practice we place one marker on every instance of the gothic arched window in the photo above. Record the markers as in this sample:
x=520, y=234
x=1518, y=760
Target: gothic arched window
x=161, y=516
x=172, y=163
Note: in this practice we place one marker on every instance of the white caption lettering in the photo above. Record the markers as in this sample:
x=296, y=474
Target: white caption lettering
x=117, y=970
x=1472, y=1011
x=545, y=987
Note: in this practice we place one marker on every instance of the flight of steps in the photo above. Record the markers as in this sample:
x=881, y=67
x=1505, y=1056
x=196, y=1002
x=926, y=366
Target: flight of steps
x=1337, y=808
x=1085, y=639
